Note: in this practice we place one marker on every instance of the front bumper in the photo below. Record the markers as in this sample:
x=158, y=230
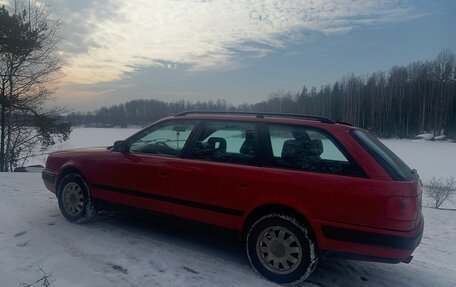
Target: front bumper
x=49, y=179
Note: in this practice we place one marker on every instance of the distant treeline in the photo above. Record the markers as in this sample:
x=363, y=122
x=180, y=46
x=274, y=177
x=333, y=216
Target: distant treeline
x=403, y=102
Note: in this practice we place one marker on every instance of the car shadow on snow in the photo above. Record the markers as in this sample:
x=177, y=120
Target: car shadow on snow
x=226, y=245
x=197, y=237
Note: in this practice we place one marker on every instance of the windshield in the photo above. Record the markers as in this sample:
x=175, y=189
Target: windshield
x=396, y=168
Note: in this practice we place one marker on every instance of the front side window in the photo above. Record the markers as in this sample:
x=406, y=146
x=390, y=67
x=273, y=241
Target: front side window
x=168, y=138
x=303, y=148
x=229, y=142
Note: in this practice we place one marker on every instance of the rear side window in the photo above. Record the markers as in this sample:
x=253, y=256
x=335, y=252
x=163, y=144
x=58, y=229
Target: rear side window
x=395, y=167
x=303, y=148
x=228, y=142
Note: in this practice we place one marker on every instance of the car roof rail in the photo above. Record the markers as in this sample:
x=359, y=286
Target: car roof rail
x=344, y=123
x=260, y=115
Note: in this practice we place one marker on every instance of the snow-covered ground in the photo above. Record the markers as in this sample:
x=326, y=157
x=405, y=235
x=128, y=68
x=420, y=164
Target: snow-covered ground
x=118, y=250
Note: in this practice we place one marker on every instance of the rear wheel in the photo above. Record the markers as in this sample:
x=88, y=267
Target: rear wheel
x=280, y=249
x=74, y=199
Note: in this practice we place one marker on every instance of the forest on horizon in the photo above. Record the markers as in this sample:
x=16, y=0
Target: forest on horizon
x=402, y=102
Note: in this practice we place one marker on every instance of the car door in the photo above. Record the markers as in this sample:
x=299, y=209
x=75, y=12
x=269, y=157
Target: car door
x=320, y=178
x=143, y=176
x=219, y=175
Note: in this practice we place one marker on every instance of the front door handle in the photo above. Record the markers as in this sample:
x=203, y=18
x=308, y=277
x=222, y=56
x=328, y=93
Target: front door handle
x=162, y=173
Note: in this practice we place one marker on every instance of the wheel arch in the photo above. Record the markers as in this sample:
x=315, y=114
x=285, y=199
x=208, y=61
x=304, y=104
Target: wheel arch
x=66, y=171
x=271, y=208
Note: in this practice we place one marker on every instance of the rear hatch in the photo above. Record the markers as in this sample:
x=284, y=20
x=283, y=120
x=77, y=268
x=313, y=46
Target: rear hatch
x=405, y=204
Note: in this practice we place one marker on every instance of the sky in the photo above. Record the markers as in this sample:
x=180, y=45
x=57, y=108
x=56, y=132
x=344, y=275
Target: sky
x=241, y=51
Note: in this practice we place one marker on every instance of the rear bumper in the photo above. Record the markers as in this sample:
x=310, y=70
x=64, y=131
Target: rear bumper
x=365, y=237
x=370, y=244
x=360, y=257
x=49, y=179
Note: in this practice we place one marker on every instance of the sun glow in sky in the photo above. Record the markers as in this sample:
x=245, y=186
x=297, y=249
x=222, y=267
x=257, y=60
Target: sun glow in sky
x=210, y=35
x=239, y=50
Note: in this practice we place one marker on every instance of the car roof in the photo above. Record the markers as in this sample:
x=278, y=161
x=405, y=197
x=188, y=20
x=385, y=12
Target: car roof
x=259, y=115
x=283, y=118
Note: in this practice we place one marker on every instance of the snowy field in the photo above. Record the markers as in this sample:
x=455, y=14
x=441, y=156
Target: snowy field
x=118, y=250
x=428, y=157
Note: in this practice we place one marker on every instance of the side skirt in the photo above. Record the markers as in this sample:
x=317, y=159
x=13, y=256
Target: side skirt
x=179, y=222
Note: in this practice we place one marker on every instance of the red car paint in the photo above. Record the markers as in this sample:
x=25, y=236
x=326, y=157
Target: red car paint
x=361, y=215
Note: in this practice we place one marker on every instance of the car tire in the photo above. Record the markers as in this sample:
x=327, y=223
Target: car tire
x=281, y=249
x=75, y=201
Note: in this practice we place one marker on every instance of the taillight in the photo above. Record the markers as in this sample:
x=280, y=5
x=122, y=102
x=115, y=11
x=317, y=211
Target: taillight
x=402, y=208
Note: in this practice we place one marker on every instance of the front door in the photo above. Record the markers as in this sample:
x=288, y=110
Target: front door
x=144, y=176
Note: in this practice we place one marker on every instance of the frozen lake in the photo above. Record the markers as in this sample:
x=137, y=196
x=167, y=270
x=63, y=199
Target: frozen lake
x=429, y=158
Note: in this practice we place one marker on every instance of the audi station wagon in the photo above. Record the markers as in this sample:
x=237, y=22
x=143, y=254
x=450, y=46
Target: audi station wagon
x=296, y=188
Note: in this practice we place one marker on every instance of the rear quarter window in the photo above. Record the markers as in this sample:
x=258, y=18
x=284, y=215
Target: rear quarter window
x=395, y=167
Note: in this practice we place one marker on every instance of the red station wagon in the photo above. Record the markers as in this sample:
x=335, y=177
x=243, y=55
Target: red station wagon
x=295, y=187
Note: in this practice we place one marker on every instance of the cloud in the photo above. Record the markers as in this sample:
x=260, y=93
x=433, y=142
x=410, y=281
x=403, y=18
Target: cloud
x=106, y=40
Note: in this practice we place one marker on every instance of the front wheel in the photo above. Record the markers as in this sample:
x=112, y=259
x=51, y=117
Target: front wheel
x=281, y=249
x=74, y=199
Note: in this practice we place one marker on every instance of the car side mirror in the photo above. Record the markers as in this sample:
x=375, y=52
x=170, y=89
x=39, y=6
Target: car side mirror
x=120, y=146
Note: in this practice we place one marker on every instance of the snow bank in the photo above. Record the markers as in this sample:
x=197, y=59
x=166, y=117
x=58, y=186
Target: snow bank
x=426, y=137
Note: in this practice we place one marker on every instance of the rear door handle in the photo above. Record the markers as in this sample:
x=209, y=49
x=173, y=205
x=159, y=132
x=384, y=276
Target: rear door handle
x=162, y=173
x=242, y=185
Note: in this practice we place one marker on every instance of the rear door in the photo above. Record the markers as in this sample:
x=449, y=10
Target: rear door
x=314, y=172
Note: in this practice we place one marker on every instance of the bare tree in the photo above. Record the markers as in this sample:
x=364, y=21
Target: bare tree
x=28, y=66
x=440, y=189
